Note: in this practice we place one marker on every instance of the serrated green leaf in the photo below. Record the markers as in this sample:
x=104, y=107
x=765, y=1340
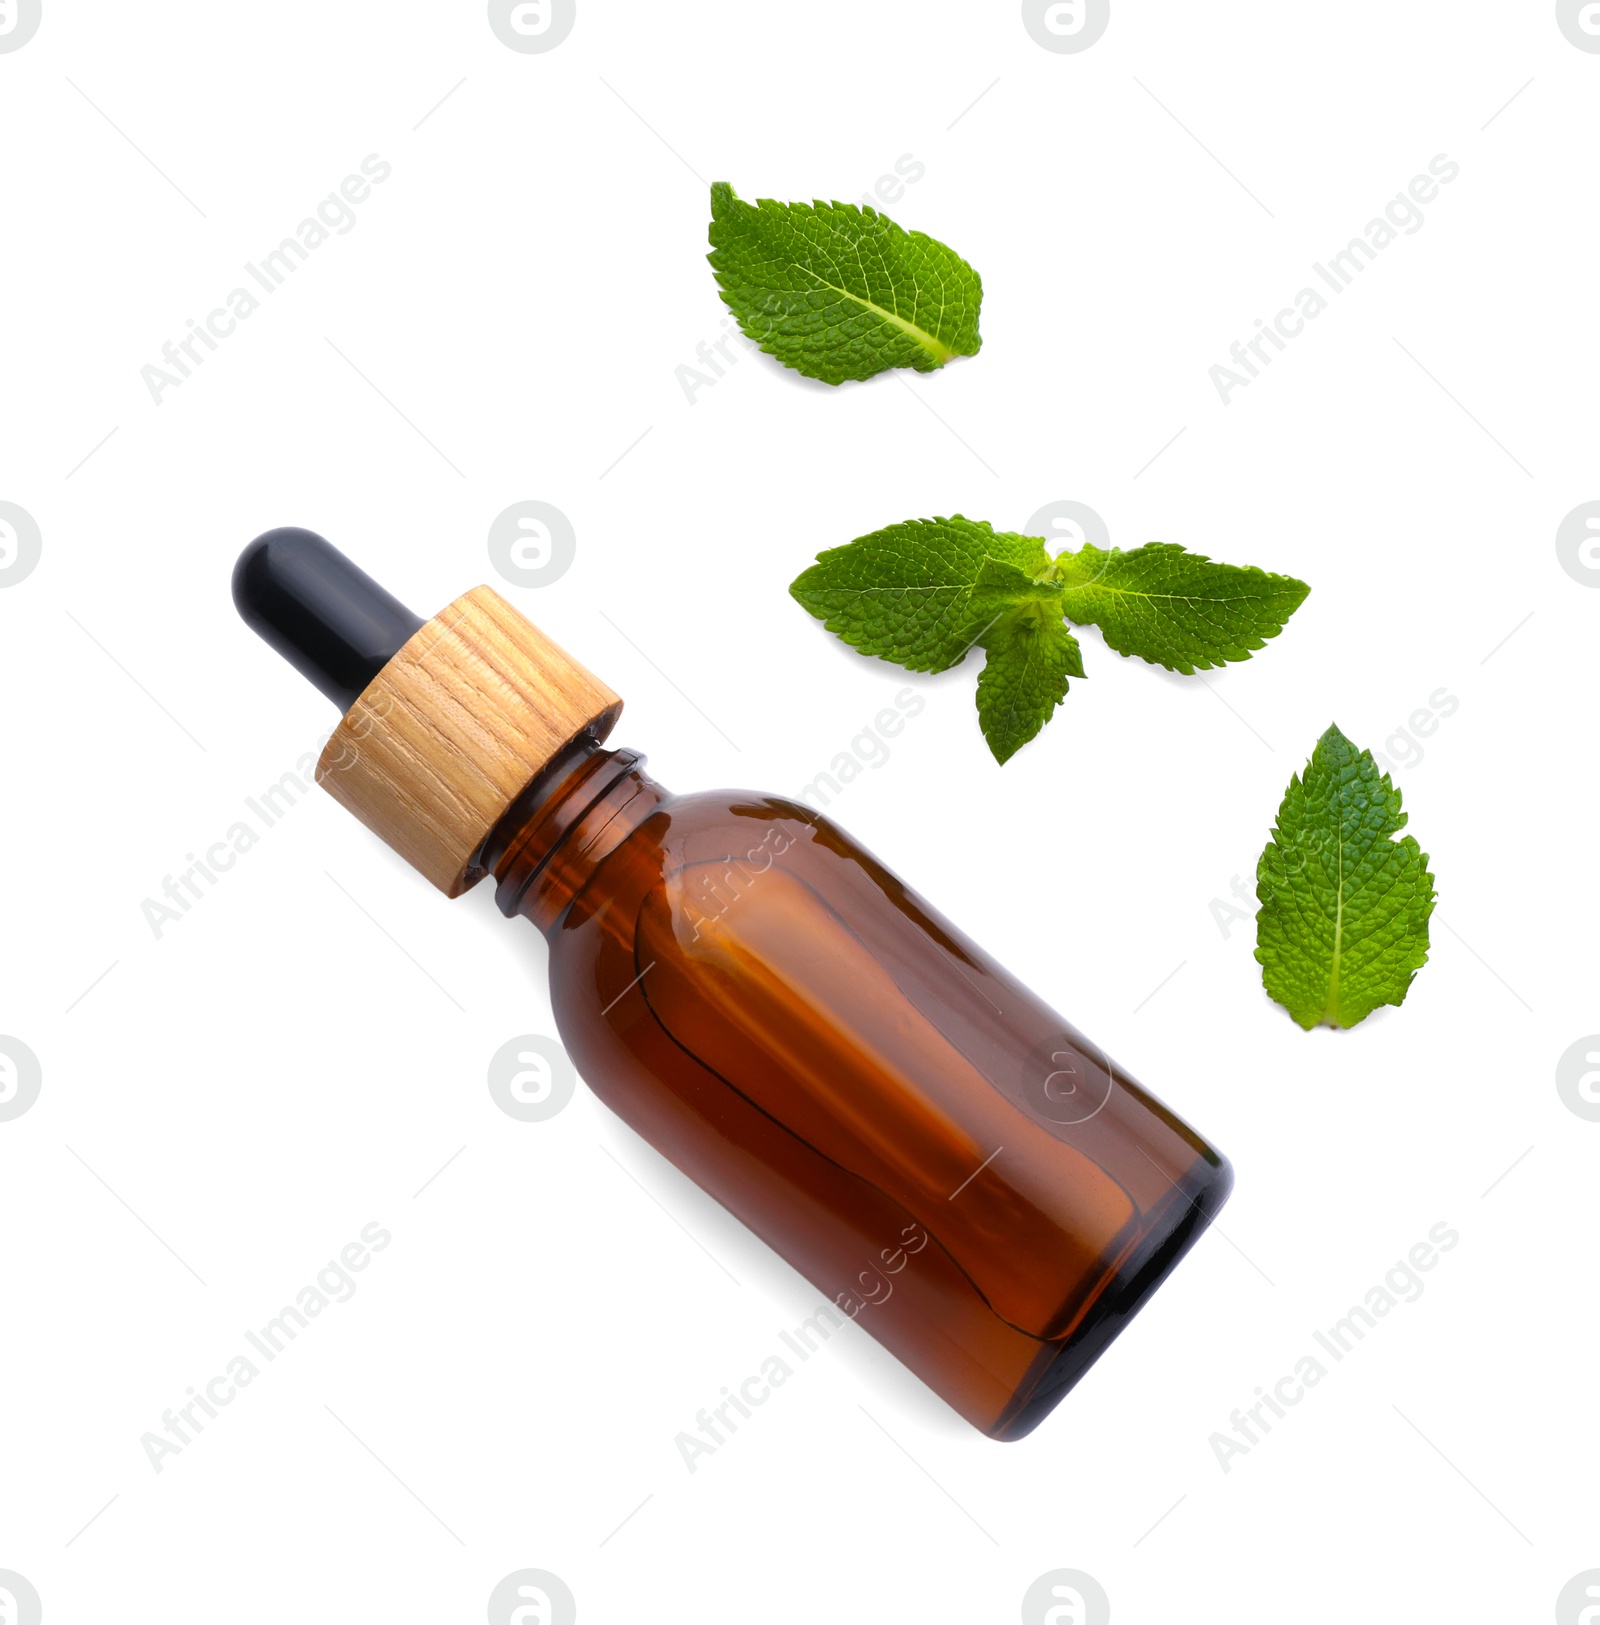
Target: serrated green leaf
x=904, y=593
x=1343, y=924
x=924, y=592
x=841, y=292
x=1031, y=654
x=1175, y=608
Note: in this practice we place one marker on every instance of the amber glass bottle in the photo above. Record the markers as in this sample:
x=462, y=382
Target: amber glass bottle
x=954, y=1166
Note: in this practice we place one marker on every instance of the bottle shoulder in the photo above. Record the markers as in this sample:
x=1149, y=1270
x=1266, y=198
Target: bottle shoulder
x=703, y=808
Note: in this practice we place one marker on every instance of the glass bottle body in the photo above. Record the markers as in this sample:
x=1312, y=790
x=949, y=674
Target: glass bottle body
x=950, y=1163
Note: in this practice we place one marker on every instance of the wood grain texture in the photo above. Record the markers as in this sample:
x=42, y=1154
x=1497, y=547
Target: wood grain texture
x=454, y=727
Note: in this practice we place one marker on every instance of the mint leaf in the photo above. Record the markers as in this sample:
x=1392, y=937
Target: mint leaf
x=1343, y=925
x=905, y=593
x=1031, y=656
x=924, y=592
x=1175, y=608
x=840, y=292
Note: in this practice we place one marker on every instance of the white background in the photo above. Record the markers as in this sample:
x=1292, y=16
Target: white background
x=230, y=1103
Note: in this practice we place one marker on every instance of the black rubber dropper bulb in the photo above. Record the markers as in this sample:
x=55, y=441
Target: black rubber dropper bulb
x=330, y=620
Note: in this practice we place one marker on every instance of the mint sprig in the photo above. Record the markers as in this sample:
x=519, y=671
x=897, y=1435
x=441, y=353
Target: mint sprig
x=838, y=291
x=925, y=592
x=1343, y=923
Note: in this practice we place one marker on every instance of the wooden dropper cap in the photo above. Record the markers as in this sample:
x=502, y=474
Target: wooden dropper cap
x=446, y=721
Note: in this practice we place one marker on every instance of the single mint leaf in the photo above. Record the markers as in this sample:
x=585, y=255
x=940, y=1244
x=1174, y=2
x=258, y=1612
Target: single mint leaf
x=1175, y=608
x=1343, y=925
x=837, y=291
x=905, y=593
x=1031, y=656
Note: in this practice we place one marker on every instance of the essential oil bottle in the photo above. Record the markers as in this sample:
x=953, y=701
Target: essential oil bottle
x=957, y=1168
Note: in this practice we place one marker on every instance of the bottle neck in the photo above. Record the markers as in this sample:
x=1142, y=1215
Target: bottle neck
x=559, y=830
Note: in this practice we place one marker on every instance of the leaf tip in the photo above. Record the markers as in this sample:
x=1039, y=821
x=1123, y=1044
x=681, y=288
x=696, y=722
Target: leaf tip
x=800, y=591
x=1335, y=739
